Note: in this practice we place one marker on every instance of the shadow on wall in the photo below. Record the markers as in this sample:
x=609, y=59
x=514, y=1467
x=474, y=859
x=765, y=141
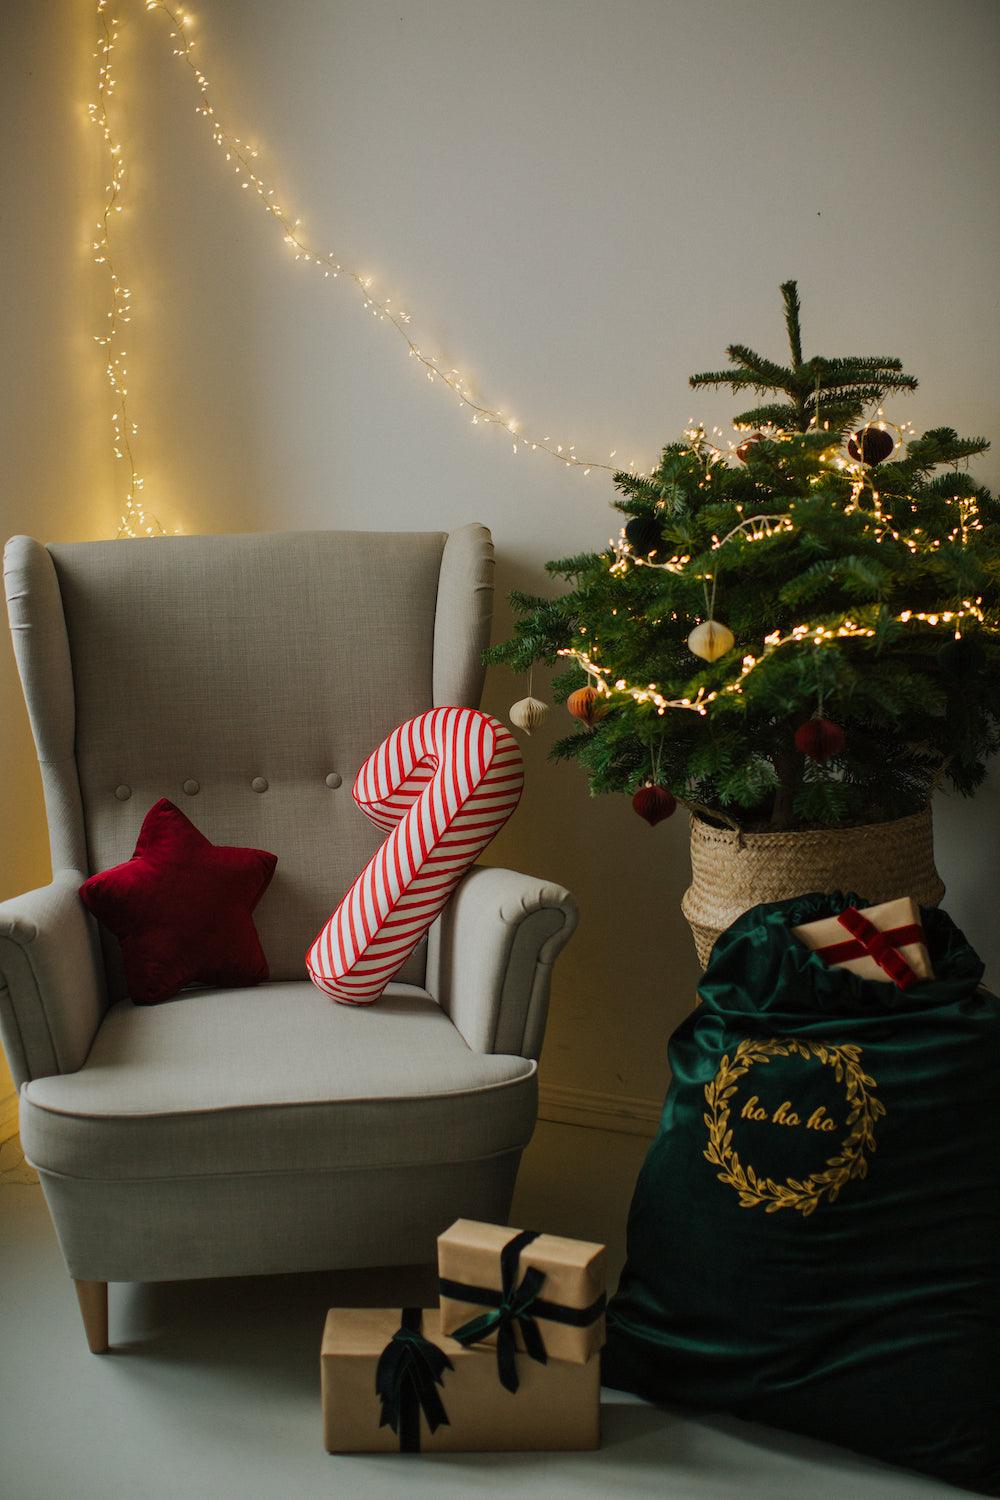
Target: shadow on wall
x=629, y=976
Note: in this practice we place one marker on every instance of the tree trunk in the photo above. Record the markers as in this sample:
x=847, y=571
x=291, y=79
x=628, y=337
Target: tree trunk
x=788, y=764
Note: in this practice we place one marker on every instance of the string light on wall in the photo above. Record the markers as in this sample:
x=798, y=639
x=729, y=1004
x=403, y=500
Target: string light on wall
x=242, y=158
x=135, y=520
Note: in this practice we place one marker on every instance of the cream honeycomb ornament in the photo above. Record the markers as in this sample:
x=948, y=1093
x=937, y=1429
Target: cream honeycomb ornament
x=528, y=713
x=710, y=640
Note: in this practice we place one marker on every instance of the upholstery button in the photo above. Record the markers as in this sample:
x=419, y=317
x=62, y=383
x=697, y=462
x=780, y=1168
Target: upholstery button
x=259, y=783
x=191, y=787
x=333, y=781
x=123, y=792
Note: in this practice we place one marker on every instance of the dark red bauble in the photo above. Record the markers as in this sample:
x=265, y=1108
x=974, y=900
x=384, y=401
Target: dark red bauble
x=871, y=445
x=820, y=739
x=644, y=535
x=654, y=803
x=747, y=445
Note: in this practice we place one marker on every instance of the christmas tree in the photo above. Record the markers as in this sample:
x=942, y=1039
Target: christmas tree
x=798, y=629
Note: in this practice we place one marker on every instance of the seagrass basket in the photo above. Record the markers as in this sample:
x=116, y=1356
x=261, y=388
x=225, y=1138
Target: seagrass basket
x=733, y=871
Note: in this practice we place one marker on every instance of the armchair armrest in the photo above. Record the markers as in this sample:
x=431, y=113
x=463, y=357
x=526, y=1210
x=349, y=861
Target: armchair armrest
x=490, y=957
x=52, y=989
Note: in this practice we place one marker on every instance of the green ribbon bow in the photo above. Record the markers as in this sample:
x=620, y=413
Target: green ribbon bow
x=513, y=1309
x=409, y=1371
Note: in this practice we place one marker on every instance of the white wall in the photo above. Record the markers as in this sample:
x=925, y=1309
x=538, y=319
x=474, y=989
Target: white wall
x=581, y=203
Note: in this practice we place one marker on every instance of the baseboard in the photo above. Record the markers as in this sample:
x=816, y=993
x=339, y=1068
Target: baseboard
x=8, y=1117
x=570, y=1106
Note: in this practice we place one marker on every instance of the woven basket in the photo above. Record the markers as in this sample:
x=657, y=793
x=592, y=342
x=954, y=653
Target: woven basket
x=732, y=872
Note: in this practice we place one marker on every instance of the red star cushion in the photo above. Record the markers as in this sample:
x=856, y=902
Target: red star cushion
x=180, y=907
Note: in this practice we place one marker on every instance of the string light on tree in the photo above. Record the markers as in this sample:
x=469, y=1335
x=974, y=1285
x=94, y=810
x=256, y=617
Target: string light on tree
x=750, y=529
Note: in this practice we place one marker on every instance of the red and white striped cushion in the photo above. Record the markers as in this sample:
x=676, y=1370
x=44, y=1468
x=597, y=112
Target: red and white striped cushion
x=444, y=783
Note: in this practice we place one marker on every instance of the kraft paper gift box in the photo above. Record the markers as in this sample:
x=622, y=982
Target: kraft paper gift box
x=878, y=942
x=531, y=1295
x=393, y=1382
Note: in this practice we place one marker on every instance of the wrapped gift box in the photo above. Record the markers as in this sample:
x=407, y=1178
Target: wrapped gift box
x=878, y=942
x=394, y=1382
x=541, y=1292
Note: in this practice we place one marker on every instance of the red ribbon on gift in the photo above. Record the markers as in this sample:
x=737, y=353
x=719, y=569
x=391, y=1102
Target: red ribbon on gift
x=867, y=941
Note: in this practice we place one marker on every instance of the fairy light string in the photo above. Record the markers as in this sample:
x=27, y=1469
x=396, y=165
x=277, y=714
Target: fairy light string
x=135, y=520
x=763, y=527
x=242, y=158
x=818, y=634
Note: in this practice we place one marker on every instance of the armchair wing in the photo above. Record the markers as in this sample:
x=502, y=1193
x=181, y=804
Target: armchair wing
x=490, y=957
x=52, y=990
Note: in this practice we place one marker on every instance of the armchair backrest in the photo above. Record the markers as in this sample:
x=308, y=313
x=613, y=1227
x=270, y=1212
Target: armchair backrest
x=246, y=678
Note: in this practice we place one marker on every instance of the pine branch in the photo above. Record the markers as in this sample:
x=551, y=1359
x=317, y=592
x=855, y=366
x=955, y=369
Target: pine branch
x=876, y=367
x=737, y=380
x=647, y=491
x=524, y=603
x=846, y=394
x=571, y=567
x=941, y=445
x=775, y=415
x=846, y=385
x=770, y=377
x=841, y=416
x=859, y=577
x=793, y=308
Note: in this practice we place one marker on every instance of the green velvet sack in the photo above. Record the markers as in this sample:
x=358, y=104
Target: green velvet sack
x=814, y=1240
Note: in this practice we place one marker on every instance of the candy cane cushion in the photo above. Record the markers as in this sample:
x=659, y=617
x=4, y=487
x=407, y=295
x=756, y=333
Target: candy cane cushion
x=444, y=783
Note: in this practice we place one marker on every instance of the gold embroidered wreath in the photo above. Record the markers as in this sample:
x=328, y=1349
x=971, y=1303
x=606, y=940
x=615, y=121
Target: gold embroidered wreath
x=851, y=1158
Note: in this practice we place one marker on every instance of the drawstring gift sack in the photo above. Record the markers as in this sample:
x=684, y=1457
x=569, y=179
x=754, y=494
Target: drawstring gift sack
x=814, y=1239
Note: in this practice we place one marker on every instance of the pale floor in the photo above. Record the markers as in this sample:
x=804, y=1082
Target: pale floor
x=213, y=1387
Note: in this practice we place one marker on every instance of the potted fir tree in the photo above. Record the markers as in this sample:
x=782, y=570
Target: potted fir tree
x=798, y=637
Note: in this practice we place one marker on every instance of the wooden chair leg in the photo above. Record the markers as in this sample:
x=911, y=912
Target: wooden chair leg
x=93, y=1299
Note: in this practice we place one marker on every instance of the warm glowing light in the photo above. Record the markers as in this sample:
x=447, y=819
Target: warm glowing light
x=711, y=451
x=817, y=635
x=135, y=520
x=242, y=158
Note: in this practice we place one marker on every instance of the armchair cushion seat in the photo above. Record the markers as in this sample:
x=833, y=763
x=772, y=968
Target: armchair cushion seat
x=276, y=1079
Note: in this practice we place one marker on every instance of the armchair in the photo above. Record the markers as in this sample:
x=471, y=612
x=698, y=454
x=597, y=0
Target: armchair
x=234, y=1132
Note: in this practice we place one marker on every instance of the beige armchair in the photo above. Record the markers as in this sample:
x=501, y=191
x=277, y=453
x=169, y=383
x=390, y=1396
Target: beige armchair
x=232, y=1132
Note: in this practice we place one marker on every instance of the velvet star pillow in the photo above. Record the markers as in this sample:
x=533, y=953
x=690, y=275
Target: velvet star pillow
x=181, y=908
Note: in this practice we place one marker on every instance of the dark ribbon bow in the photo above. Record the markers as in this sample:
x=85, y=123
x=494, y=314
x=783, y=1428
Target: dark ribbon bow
x=513, y=1308
x=883, y=947
x=409, y=1371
